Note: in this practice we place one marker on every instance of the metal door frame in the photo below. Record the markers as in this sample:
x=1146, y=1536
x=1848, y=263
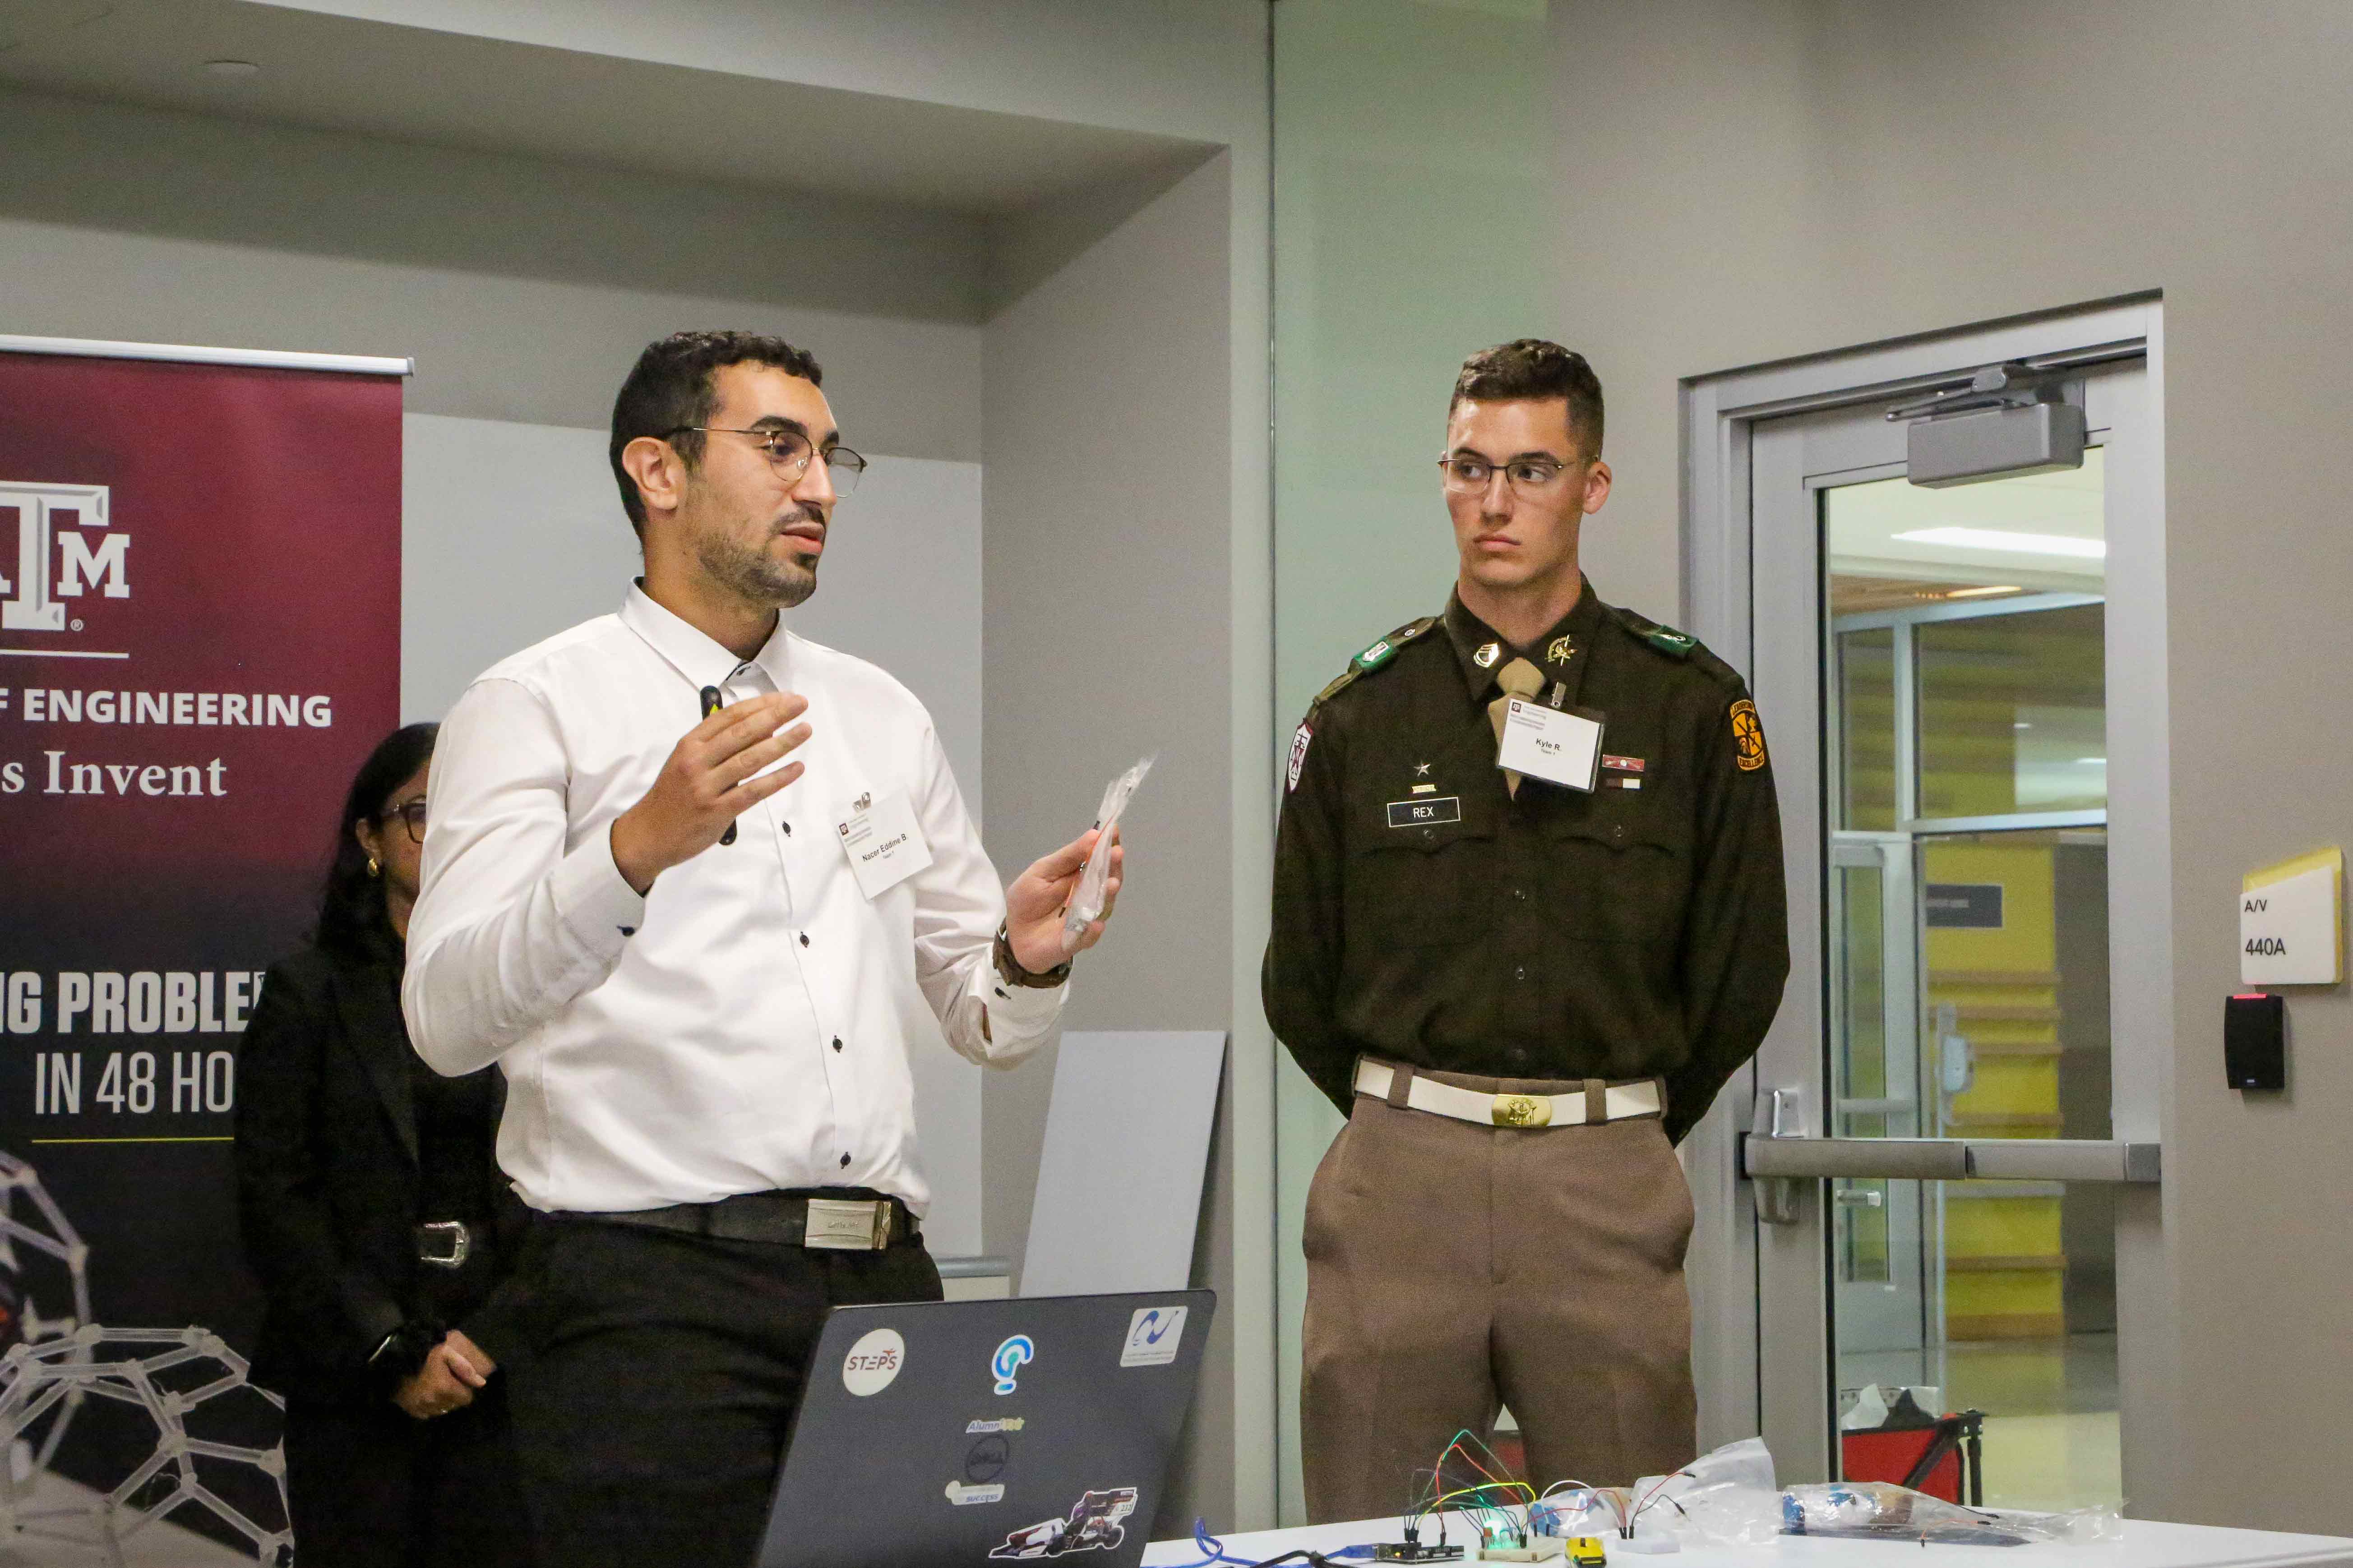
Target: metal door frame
x=1725, y=563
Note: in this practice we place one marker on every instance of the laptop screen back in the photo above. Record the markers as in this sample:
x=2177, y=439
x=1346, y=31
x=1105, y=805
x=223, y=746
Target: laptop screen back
x=982, y=1433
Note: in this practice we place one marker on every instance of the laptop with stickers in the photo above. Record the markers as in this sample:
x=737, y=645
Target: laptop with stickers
x=980, y=1433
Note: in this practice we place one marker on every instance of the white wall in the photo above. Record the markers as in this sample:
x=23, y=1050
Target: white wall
x=1747, y=180
x=1109, y=624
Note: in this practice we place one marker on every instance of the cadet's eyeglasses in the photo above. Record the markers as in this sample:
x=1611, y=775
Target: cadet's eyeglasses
x=790, y=452
x=1528, y=478
x=412, y=813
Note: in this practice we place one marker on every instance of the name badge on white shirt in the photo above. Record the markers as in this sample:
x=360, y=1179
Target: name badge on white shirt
x=1561, y=747
x=884, y=843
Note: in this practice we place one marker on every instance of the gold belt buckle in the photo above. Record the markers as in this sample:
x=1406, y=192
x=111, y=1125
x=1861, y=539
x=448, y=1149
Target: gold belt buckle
x=1522, y=1111
x=839, y=1225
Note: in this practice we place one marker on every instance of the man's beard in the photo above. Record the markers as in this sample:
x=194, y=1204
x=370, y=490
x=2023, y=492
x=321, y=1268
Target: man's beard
x=750, y=572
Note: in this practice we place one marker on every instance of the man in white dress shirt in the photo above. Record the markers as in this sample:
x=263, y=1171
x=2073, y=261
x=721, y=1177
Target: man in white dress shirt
x=703, y=944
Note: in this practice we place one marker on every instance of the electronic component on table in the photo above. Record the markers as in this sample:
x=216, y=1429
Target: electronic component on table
x=1586, y=1552
x=1414, y=1552
x=1538, y=1550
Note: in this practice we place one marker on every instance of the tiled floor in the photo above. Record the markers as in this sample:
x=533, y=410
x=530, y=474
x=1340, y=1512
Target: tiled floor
x=2050, y=1435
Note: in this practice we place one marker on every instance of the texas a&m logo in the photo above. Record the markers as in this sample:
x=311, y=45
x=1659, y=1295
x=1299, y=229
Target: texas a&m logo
x=64, y=549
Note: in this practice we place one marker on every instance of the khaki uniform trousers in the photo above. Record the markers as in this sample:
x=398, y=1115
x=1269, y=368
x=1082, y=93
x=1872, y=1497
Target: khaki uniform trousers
x=1452, y=1265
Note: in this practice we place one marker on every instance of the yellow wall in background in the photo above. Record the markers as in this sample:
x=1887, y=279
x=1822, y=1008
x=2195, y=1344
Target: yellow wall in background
x=2005, y=1270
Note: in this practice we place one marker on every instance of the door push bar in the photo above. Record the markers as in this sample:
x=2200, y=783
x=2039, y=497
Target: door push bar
x=1779, y=1156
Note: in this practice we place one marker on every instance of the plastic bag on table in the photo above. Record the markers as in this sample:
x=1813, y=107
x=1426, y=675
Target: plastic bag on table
x=1580, y=1511
x=1881, y=1511
x=1086, y=905
x=1724, y=1497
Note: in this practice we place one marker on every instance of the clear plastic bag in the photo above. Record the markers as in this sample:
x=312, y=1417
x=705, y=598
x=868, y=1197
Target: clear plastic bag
x=1727, y=1497
x=1087, y=904
x=1724, y=1497
x=1881, y=1511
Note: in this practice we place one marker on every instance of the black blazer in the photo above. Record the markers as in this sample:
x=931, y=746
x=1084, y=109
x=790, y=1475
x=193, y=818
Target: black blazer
x=328, y=1190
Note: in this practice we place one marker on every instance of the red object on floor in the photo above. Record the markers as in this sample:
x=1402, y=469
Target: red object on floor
x=1892, y=1456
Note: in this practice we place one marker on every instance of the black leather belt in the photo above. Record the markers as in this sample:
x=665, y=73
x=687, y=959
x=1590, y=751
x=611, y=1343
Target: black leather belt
x=789, y=1219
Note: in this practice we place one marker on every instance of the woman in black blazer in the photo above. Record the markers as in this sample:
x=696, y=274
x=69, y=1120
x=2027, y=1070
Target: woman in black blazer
x=375, y=1213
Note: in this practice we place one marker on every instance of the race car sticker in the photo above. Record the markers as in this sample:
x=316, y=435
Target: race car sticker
x=1093, y=1524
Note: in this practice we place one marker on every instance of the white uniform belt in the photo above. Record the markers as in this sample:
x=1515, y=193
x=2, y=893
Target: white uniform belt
x=1620, y=1101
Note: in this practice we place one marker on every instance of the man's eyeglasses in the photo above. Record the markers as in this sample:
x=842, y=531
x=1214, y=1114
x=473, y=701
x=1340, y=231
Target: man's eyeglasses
x=411, y=813
x=1531, y=478
x=790, y=452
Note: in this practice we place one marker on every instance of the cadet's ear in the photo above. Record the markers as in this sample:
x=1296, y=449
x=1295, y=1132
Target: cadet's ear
x=1597, y=486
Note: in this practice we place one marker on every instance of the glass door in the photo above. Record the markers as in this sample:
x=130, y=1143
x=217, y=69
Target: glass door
x=1948, y=1226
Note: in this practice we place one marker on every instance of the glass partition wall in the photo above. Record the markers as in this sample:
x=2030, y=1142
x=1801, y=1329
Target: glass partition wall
x=1966, y=701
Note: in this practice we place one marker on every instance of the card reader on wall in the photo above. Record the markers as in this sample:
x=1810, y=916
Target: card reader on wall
x=2254, y=1041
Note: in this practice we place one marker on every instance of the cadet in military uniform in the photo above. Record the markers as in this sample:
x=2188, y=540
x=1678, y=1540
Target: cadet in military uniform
x=1521, y=991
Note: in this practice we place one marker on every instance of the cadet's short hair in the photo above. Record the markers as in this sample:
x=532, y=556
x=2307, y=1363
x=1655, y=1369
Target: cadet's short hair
x=671, y=387
x=1534, y=369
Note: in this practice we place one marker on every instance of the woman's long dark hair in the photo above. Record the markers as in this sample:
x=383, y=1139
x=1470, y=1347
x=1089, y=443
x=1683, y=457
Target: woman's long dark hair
x=351, y=907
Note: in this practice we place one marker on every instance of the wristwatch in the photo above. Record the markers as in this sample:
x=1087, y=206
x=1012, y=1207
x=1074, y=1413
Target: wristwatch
x=1009, y=967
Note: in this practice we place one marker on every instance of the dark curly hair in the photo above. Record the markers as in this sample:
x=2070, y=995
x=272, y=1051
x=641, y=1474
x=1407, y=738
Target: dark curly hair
x=670, y=388
x=1532, y=368
x=352, y=918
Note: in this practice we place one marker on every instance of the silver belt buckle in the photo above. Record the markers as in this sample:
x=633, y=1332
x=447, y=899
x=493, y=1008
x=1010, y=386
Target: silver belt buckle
x=847, y=1225
x=462, y=1242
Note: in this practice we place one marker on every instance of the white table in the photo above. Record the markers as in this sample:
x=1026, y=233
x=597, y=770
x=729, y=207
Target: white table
x=2144, y=1544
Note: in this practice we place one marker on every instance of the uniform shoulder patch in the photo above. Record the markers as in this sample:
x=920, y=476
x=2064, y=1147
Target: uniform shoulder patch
x=1373, y=658
x=1747, y=736
x=1299, y=740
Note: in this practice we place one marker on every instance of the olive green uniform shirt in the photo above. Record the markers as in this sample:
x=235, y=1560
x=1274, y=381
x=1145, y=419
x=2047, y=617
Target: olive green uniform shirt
x=1423, y=914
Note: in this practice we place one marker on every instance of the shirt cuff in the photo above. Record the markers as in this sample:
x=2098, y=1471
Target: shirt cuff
x=595, y=902
x=1021, y=1009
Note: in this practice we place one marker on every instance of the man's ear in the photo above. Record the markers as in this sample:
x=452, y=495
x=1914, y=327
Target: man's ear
x=658, y=472
x=1597, y=486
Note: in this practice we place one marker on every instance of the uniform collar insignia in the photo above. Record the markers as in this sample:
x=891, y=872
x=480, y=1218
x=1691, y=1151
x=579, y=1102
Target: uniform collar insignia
x=1563, y=648
x=1486, y=657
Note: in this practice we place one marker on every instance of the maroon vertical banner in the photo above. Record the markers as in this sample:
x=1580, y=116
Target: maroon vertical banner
x=199, y=642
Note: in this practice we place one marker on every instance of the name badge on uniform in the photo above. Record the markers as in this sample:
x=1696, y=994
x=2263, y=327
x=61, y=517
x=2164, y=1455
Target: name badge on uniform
x=1560, y=747
x=884, y=843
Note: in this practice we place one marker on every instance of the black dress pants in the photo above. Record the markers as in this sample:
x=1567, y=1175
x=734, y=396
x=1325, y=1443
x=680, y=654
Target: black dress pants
x=658, y=1378
x=369, y=1487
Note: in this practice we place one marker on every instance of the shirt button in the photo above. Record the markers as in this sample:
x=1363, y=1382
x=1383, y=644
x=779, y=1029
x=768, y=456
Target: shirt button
x=1617, y=830
x=1519, y=1053
x=845, y=1161
x=788, y=829
x=1428, y=833
x=1520, y=974
x=803, y=939
x=836, y=1042
x=1521, y=894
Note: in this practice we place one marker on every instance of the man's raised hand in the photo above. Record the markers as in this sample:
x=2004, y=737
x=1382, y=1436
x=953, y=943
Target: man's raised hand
x=1035, y=902
x=707, y=782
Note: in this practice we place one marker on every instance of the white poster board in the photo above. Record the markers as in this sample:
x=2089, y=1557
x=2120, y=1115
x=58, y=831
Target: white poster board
x=1127, y=1147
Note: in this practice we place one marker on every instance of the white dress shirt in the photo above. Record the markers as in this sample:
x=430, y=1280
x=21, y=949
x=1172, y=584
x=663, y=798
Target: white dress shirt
x=747, y=1025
